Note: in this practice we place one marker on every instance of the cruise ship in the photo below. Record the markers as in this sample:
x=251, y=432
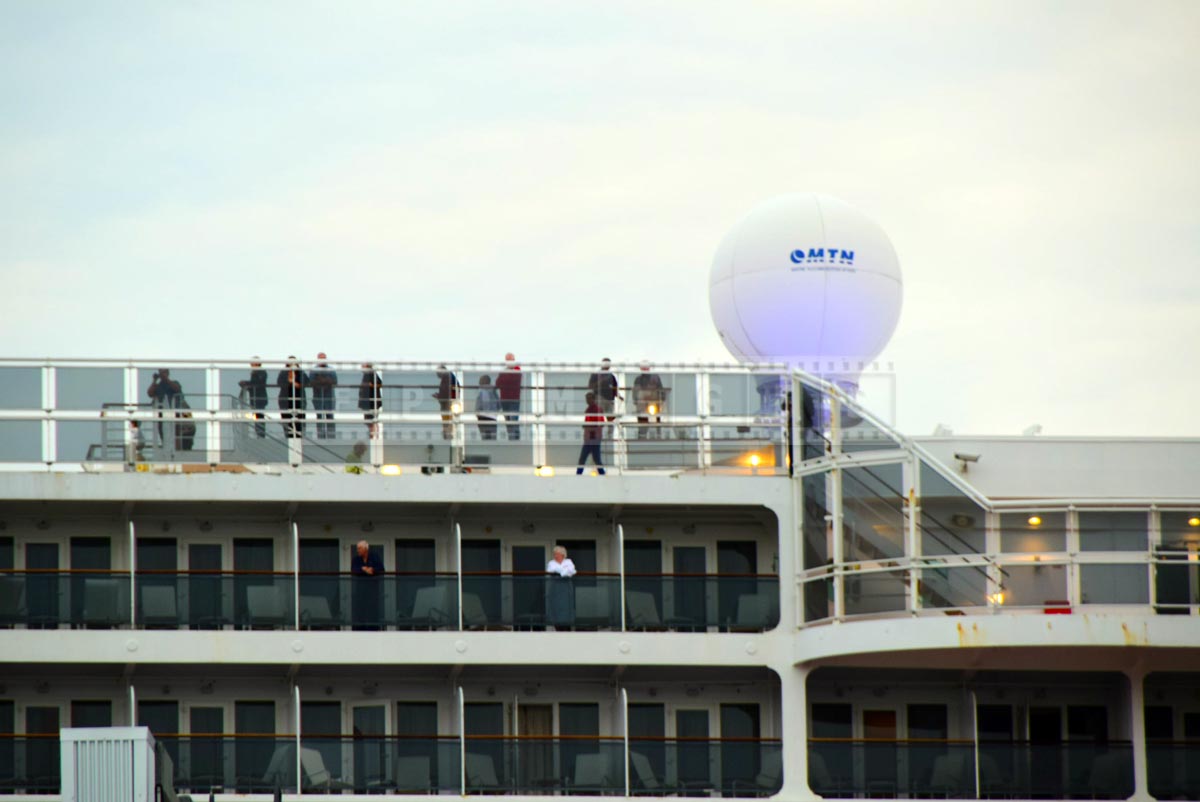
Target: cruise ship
x=776, y=594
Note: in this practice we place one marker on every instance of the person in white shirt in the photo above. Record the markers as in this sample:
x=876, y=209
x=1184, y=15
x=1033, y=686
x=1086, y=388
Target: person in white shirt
x=560, y=594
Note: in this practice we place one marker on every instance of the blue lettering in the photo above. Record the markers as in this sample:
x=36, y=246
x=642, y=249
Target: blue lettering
x=797, y=257
x=848, y=257
x=815, y=254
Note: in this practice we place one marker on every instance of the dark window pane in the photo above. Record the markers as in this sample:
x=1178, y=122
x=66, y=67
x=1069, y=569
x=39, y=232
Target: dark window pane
x=1114, y=584
x=927, y=721
x=1113, y=531
x=91, y=713
x=578, y=719
x=832, y=721
x=1030, y=533
x=951, y=522
x=994, y=722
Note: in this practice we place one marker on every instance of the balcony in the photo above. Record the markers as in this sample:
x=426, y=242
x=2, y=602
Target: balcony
x=861, y=769
x=264, y=600
x=29, y=764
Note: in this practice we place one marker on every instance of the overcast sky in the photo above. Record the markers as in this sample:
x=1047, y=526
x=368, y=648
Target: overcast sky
x=454, y=180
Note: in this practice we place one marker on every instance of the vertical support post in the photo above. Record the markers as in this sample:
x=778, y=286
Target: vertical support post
x=462, y=740
x=621, y=573
x=975, y=738
x=794, y=735
x=1074, y=574
x=296, y=574
x=703, y=430
x=458, y=569
x=49, y=426
x=132, y=575
x=537, y=408
x=625, y=734
x=299, y=764
x=1137, y=724
x=132, y=703
x=912, y=546
x=839, y=560
x=212, y=403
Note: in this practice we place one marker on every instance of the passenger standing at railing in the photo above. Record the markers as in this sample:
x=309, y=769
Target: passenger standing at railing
x=324, y=387
x=165, y=394
x=256, y=394
x=648, y=397
x=446, y=395
x=370, y=396
x=560, y=590
x=604, y=386
x=486, y=403
x=593, y=435
x=508, y=385
x=366, y=568
x=292, y=401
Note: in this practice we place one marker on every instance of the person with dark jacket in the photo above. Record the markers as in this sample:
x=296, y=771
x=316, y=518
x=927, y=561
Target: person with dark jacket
x=649, y=396
x=604, y=385
x=292, y=382
x=508, y=385
x=324, y=388
x=446, y=393
x=165, y=393
x=593, y=435
x=366, y=567
x=370, y=396
x=256, y=394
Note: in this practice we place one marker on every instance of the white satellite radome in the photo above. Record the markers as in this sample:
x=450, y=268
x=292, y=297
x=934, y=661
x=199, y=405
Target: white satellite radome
x=806, y=278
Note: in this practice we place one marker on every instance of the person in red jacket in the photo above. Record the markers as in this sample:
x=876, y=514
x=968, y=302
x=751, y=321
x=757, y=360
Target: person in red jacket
x=508, y=385
x=593, y=435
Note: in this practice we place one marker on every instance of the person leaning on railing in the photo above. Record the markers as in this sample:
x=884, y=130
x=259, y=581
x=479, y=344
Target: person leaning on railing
x=560, y=590
x=165, y=393
x=292, y=382
x=256, y=394
x=370, y=396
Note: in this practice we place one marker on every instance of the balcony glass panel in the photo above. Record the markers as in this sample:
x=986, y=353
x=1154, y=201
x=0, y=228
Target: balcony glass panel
x=951, y=522
x=1174, y=769
x=702, y=767
x=695, y=603
x=29, y=764
x=492, y=426
x=244, y=764
x=1113, y=531
x=1032, y=585
x=876, y=592
x=859, y=434
x=412, y=391
x=89, y=388
x=949, y=586
x=818, y=599
x=1033, y=532
x=945, y=769
x=748, y=395
x=379, y=764
x=49, y=599
x=253, y=442
x=545, y=766
x=1180, y=530
x=1114, y=584
x=813, y=410
x=20, y=441
x=873, y=513
x=21, y=388
x=80, y=441
x=564, y=443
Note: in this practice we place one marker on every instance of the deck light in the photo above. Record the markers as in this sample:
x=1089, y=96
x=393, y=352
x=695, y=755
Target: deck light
x=544, y=470
x=652, y=409
x=755, y=460
x=456, y=408
x=1193, y=521
x=1035, y=520
x=997, y=597
x=390, y=470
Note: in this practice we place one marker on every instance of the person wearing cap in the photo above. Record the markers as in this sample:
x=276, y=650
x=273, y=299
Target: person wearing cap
x=648, y=398
x=255, y=390
x=604, y=385
x=370, y=396
x=324, y=383
x=292, y=382
x=508, y=386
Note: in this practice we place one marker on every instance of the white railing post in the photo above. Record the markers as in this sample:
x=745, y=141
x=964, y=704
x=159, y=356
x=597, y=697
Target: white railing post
x=296, y=574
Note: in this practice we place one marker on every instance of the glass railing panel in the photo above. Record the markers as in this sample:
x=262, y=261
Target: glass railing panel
x=381, y=764
x=818, y=598
x=812, y=410
x=1114, y=583
x=228, y=763
x=253, y=442
x=950, y=586
x=49, y=599
x=842, y=769
x=1113, y=530
x=21, y=388
x=540, y=766
x=29, y=764
x=214, y=600
x=418, y=444
x=416, y=391
x=1176, y=581
x=565, y=442
x=1022, y=770
x=1173, y=769
x=20, y=441
x=748, y=395
x=873, y=592
x=951, y=522
x=1035, y=585
x=1033, y=533
x=491, y=440
x=89, y=388
x=566, y=392
x=873, y=523
x=759, y=447
x=538, y=601
x=653, y=445
x=696, y=603
x=703, y=767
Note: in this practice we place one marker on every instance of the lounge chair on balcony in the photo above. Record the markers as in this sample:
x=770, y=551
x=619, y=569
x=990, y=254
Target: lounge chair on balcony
x=159, y=610
x=12, y=600
x=315, y=773
x=768, y=780
x=101, y=603
x=481, y=774
x=413, y=775
x=641, y=611
x=645, y=782
x=315, y=613
x=265, y=607
x=431, y=609
x=279, y=773
x=473, y=616
x=753, y=613
x=592, y=776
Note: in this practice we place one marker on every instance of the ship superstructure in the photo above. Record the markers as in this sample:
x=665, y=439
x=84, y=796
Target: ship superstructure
x=777, y=594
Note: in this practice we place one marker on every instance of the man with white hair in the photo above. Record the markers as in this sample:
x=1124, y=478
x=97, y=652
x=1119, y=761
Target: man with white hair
x=366, y=568
x=560, y=590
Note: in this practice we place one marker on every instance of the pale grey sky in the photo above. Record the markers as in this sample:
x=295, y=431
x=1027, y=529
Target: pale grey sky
x=453, y=180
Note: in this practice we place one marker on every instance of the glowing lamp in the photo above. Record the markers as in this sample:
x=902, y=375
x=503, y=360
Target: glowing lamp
x=755, y=460
x=1193, y=521
x=544, y=470
x=653, y=410
x=456, y=407
x=997, y=597
x=1035, y=520
x=390, y=470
